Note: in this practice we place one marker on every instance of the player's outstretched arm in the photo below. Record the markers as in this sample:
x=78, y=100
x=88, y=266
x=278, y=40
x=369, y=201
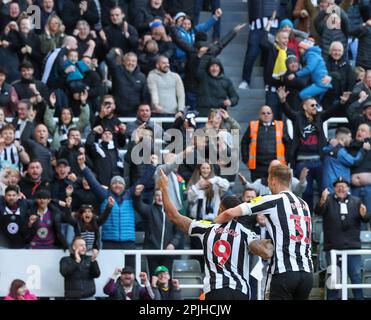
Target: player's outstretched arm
x=262, y=248
x=172, y=213
x=228, y=215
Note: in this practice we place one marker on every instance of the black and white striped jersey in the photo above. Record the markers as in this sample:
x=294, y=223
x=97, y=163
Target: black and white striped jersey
x=226, y=255
x=290, y=226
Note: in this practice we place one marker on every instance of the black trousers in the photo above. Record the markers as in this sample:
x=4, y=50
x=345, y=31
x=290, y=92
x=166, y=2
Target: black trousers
x=226, y=294
x=292, y=285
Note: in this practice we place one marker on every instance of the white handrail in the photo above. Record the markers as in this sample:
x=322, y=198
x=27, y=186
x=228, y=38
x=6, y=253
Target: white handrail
x=344, y=286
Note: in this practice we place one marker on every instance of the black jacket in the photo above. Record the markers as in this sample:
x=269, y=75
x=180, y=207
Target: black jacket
x=356, y=117
x=341, y=231
x=116, y=39
x=299, y=121
x=71, y=14
x=107, y=5
x=111, y=123
x=161, y=232
x=130, y=88
x=145, y=16
x=294, y=87
x=82, y=196
x=71, y=156
x=5, y=101
x=79, y=277
x=30, y=187
x=174, y=6
x=363, y=55
x=260, y=9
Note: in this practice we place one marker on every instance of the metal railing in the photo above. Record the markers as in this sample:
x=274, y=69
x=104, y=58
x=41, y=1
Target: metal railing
x=344, y=285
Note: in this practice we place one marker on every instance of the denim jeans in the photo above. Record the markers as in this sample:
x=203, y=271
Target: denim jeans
x=68, y=233
x=314, y=173
x=215, y=4
x=354, y=273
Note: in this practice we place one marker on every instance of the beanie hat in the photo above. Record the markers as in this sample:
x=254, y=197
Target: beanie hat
x=291, y=58
x=286, y=22
x=118, y=179
x=155, y=24
x=306, y=43
x=179, y=15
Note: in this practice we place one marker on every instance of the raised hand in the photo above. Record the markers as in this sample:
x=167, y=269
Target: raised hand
x=139, y=189
x=53, y=99
x=239, y=27
x=163, y=182
x=111, y=201
x=282, y=94
x=143, y=277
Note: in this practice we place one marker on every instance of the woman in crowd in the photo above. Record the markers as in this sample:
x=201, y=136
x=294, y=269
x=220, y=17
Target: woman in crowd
x=19, y=291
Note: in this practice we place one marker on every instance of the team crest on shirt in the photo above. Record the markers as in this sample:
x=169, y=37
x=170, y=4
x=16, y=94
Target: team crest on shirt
x=205, y=222
x=256, y=200
x=42, y=233
x=13, y=228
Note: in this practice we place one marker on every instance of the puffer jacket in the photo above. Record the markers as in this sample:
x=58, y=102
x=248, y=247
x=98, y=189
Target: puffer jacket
x=79, y=277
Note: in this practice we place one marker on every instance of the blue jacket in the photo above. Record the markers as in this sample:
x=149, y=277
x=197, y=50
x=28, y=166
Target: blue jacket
x=337, y=163
x=120, y=225
x=78, y=74
x=315, y=66
x=189, y=36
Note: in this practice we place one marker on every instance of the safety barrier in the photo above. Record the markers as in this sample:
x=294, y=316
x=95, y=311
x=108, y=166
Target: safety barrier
x=344, y=285
x=40, y=268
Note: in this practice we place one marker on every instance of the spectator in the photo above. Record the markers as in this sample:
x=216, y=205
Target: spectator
x=259, y=13
x=8, y=95
x=12, y=154
x=11, y=16
x=33, y=181
x=87, y=224
x=60, y=130
x=184, y=6
x=166, y=88
x=309, y=138
x=53, y=35
x=342, y=215
x=365, y=86
x=355, y=116
x=47, y=10
x=149, y=56
x=165, y=45
x=108, y=5
x=127, y=75
x=337, y=161
x=13, y=212
x=86, y=39
x=316, y=68
x=119, y=33
x=19, y=291
x=163, y=287
x=144, y=16
x=43, y=229
x=122, y=285
x=216, y=90
x=8, y=177
x=75, y=10
x=249, y=193
x=332, y=25
x=160, y=234
x=257, y=142
x=79, y=271
x=104, y=154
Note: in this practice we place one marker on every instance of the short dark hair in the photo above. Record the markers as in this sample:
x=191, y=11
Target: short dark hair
x=72, y=129
x=230, y=201
x=342, y=130
x=43, y=194
x=26, y=65
x=251, y=189
x=12, y=187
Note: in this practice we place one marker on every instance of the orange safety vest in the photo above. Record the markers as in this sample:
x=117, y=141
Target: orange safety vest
x=280, y=147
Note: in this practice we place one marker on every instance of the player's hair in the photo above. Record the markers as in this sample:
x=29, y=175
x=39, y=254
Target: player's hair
x=230, y=201
x=281, y=172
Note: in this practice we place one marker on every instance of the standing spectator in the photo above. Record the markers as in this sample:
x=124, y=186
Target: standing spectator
x=13, y=212
x=215, y=5
x=257, y=143
x=337, y=161
x=216, y=90
x=144, y=16
x=53, y=35
x=161, y=234
x=148, y=57
x=359, y=112
x=32, y=180
x=43, y=229
x=163, y=286
x=47, y=10
x=166, y=88
x=75, y=10
x=65, y=122
x=108, y=5
x=259, y=13
x=122, y=285
x=19, y=291
x=119, y=34
x=308, y=138
x=342, y=215
x=79, y=272
x=129, y=85
x=8, y=95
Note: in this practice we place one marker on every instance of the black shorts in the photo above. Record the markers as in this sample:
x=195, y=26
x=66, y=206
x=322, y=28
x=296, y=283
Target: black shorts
x=226, y=294
x=291, y=285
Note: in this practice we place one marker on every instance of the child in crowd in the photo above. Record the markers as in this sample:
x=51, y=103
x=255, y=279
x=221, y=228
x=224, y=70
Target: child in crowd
x=75, y=69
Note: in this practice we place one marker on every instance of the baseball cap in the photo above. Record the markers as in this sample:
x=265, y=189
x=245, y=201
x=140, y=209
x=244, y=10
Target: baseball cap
x=62, y=161
x=117, y=179
x=127, y=269
x=367, y=104
x=341, y=180
x=160, y=269
x=179, y=15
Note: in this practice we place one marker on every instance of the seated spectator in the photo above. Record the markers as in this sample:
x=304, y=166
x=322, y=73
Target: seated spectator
x=128, y=76
x=216, y=90
x=79, y=271
x=12, y=154
x=87, y=224
x=53, y=35
x=65, y=122
x=104, y=154
x=13, y=213
x=163, y=286
x=337, y=161
x=32, y=180
x=43, y=224
x=315, y=67
x=19, y=291
x=166, y=88
x=8, y=95
x=160, y=233
x=122, y=285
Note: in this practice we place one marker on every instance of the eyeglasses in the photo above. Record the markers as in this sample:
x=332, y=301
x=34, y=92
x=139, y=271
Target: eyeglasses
x=314, y=105
x=266, y=113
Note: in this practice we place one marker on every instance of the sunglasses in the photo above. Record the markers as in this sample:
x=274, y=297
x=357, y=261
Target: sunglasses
x=314, y=105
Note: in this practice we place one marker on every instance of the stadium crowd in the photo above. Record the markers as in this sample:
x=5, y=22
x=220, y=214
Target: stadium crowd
x=69, y=178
